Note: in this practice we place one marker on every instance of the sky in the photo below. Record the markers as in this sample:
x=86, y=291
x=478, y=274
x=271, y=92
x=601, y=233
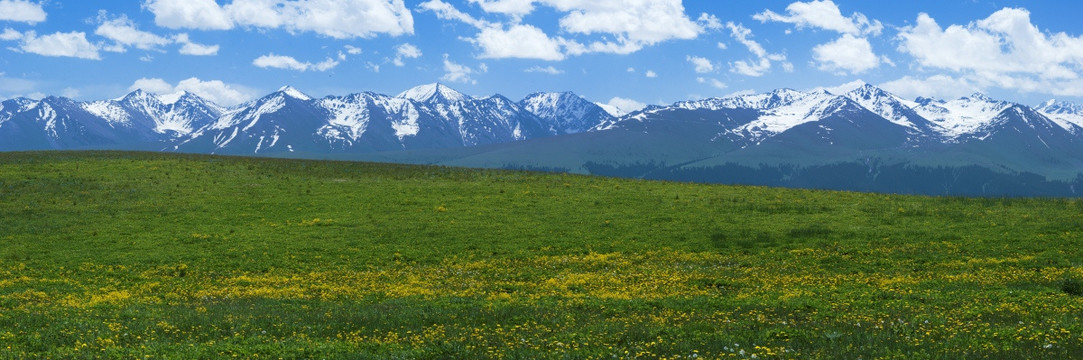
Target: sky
x=626, y=53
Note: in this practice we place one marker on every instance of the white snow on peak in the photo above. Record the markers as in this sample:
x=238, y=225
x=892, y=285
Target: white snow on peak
x=785, y=109
x=108, y=110
x=763, y=101
x=1065, y=114
x=887, y=105
x=962, y=116
x=294, y=93
x=435, y=92
x=170, y=99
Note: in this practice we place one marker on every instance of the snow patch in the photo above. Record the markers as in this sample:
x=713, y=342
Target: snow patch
x=108, y=110
x=432, y=93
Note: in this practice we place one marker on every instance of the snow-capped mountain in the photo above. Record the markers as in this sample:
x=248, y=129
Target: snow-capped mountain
x=890, y=107
x=565, y=112
x=1065, y=114
x=435, y=93
x=779, y=125
x=423, y=117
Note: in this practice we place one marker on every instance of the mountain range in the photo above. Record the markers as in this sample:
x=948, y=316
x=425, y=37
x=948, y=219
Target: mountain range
x=436, y=124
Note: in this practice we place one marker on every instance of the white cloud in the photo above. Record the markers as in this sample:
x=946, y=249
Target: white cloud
x=152, y=85
x=846, y=55
x=714, y=82
x=447, y=11
x=191, y=48
x=213, y=90
x=709, y=21
x=937, y=86
x=21, y=11
x=1004, y=50
x=625, y=105
x=10, y=34
x=280, y=62
x=70, y=44
x=844, y=88
x=336, y=19
x=289, y=63
x=353, y=50
x=763, y=59
x=124, y=33
x=518, y=41
x=717, y=84
x=70, y=92
x=326, y=64
x=190, y=14
x=216, y=91
x=457, y=72
x=824, y=15
x=405, y=51
x=509, y=7
x=607, y=26
x=651, y=74
x=631, y=69
x=636, y=23
x=722, y=45
x=701, y=63
x=548, y=70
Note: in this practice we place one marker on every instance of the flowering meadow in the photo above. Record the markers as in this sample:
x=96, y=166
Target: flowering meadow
x=142, y=255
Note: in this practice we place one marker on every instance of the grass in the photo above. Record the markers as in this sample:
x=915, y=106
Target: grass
x=110, y=254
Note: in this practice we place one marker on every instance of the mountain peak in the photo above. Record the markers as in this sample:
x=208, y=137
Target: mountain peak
x=978, y=96
x=1054, y=106
x=293, y=92
x=433, y=93
x=138, y=95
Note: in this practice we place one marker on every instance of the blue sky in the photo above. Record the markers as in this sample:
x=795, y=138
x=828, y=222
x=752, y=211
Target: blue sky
x=625, y=52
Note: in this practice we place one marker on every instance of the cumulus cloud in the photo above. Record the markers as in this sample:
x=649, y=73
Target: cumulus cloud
x=123, y=32
x=599, y=26
x=1004, y=50
x=507, y=7
x=763, y=60
x=10, y=34
x=850, y=53
x=625, y=105
x=336, y=19
x=352, y=50
x=189, y=14
x=846, y=55
x=213, y=90
x=547, y=70
x=457, y=72
x=650, y=74
x=21, y=11
x=518, y=41
x=152, y=85
x=405, y=51
x=191, y=48
x=823, y=15
x=702, y=65
x=289, y=63
x=59, y=44
x=938, y=86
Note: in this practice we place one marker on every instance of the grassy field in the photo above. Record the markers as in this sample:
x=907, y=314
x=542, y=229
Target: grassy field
x=137, y=255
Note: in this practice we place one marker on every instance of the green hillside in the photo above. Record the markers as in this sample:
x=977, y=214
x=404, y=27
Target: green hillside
x=142, y=255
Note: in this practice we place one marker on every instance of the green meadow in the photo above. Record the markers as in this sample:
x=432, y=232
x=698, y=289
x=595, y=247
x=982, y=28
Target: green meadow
x=145, y=255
